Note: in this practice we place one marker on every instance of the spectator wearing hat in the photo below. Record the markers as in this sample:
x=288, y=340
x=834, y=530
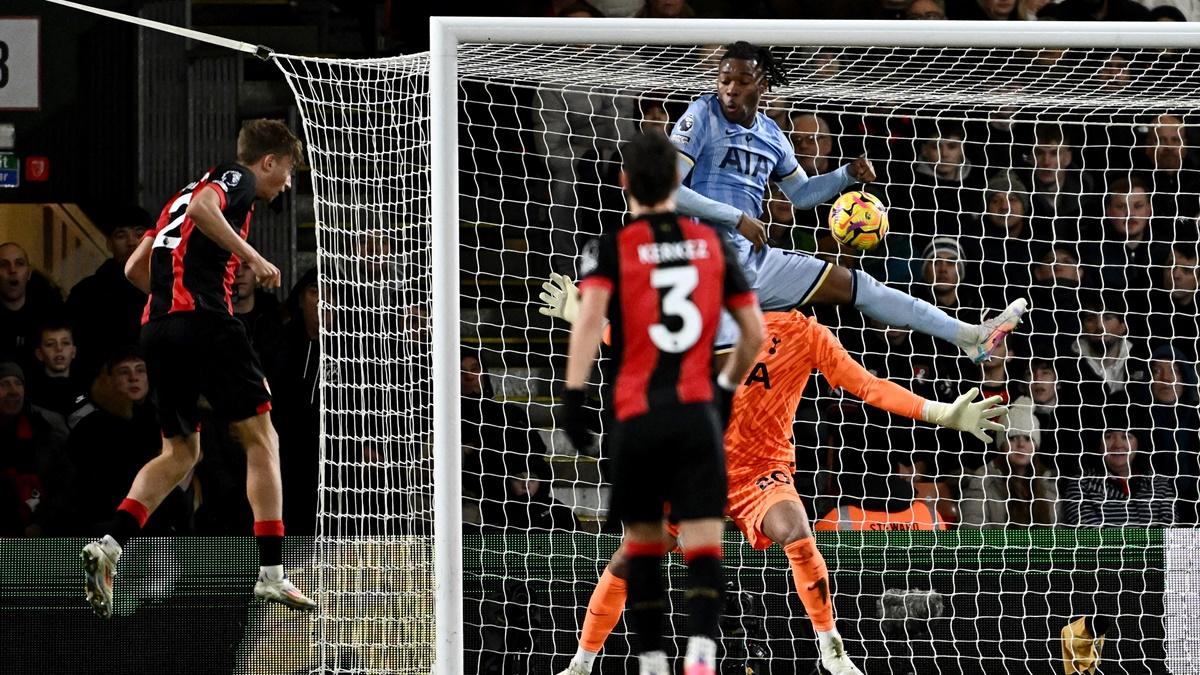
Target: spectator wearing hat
x=105, y=308
x=1111, y=366
x=1119, y=493
x=1014, y=488
x=1175, y=426
x=1003, y=244
x=943, y=268
x=28, y=301
x=33, y=468
x=937, y=370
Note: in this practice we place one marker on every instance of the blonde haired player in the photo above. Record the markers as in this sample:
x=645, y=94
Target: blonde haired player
x=760, y=461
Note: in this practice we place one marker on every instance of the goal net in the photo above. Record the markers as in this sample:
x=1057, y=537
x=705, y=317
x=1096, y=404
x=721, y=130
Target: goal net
x=365, y=124
x=1063, y=176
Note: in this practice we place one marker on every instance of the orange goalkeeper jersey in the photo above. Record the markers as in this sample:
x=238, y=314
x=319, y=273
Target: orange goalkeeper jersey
x=760, y=428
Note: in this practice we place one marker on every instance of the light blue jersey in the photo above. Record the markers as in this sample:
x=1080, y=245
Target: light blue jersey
x=725, y=169
x=730, y=163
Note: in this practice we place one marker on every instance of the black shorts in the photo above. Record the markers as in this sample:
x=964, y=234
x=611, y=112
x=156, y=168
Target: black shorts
x=672, y=455
x=194, y=354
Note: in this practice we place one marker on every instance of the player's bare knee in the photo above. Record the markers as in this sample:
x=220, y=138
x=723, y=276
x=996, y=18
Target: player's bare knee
x=182, y=453
x=795, y=532
x=786, y=522
x=257, y=435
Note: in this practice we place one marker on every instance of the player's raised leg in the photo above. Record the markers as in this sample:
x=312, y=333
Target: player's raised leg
x=151, y=486
x=785, y=280
x=901, y=310
x=264, y=489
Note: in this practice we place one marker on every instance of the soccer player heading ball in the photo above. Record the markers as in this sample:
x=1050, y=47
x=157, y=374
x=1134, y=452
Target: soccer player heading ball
x=728, y=150
x=667, y=278
x=194, y=347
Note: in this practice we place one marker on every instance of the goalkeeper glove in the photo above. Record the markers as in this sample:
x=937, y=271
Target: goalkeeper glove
x=561, y=296
x=974, y=418
x=575, y=419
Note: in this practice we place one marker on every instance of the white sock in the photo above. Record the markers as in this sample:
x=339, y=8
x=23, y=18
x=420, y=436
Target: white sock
x=826, y=638
x=584, y=658
x=701, y=649
x=271, y=572
x=653, y=663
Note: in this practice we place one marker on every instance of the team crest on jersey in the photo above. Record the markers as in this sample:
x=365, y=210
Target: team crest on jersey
x=231, y=178
x=687, y=123
x=589, y=258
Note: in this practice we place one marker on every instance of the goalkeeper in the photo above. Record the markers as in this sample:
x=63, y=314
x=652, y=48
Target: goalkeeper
x=728, y=150
x=760, y=461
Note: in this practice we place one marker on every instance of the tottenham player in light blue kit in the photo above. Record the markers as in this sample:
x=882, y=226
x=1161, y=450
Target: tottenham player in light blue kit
x=728, y=151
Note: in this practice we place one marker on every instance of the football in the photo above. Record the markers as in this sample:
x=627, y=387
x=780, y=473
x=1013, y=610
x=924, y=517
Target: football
x=858, y=219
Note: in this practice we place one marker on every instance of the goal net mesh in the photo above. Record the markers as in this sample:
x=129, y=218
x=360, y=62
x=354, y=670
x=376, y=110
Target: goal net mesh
x=366, y=131
x=1065, y=177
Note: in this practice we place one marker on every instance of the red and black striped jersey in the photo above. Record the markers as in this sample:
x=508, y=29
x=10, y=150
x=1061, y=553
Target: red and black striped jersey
x=669, y=277
x=188, y=271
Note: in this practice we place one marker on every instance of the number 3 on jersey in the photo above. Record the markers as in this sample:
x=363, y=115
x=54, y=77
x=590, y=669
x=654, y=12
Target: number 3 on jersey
x=679, y=282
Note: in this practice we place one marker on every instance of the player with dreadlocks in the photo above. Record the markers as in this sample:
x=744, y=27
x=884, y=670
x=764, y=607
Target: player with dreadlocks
x=728, y=151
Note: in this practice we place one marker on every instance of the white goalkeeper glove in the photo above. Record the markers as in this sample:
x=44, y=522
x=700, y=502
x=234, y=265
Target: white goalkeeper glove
x=976, y=418
x=561, y=296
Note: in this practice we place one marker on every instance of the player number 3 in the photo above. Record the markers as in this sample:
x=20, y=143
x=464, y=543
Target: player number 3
x=679, y=283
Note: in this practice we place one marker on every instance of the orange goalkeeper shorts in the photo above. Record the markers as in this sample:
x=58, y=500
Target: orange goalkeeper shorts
x=752, y=494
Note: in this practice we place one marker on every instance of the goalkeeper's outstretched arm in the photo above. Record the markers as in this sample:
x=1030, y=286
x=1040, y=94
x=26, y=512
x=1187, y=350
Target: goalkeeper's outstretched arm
x=964, y=414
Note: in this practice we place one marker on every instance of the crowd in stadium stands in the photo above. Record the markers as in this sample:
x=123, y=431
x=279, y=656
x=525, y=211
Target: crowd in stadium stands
x=1096, y=225
x=1101, y=378
x=77, y=417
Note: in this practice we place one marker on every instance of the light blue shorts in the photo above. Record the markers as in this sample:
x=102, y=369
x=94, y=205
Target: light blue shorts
x=782, y=279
